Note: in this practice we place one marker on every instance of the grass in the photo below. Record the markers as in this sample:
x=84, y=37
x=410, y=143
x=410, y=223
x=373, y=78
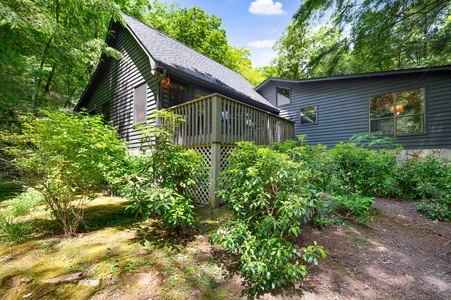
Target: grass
x=130, y=258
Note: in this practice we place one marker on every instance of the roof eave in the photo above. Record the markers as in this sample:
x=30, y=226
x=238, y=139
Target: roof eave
x=356, y=76
x=218, y=89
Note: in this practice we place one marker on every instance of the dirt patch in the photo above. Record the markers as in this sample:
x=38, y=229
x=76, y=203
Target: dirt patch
x=398, y=255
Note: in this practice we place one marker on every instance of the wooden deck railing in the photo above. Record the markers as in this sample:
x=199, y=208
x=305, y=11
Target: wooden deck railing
x=218, y=119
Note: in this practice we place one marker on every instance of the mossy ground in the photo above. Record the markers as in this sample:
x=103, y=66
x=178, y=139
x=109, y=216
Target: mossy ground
x=131, y=258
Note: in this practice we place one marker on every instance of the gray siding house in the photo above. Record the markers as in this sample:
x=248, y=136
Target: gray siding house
x=414, y=105
x=220, y=107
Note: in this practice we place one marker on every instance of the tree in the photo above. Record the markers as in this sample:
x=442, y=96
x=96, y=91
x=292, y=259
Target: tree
x=49, y=49
x=373, y=35
x=202, y=32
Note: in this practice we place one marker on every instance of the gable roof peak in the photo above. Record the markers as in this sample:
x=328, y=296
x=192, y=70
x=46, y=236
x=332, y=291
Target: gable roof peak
x=178, y=58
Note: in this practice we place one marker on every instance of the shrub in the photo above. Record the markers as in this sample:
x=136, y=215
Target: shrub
x=428, y=180
x=336, y=208
x=66, y=157
x=271, y=196
x=160, y=181
x=354, y=170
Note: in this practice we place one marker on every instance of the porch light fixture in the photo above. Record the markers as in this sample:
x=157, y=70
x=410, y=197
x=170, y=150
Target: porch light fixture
x=399, y=109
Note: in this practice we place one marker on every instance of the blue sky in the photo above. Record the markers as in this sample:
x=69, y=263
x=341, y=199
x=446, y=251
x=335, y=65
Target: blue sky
x=254, y=24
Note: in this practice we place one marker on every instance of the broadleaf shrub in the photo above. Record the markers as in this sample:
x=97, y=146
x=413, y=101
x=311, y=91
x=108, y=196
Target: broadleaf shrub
x=337, y=208
x=160, y=181
x=354, y=170
x=428, y=180
x=67, y=157
x=271, y=196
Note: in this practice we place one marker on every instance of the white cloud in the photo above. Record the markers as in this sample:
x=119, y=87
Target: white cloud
x=262, y=44
x=266, y=7
x=262, y=57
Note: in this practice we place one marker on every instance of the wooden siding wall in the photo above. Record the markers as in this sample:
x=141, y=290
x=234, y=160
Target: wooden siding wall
x=117, y=86
x=343, y=107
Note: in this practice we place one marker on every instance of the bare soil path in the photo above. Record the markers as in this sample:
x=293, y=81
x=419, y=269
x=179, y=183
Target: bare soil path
x=398, y=255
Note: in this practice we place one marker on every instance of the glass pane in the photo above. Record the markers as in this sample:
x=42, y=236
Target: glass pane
x=382, y=126
x=410, y=124
x=381, y=105
x=178, y=93
x=139, y=103
x=410, y=102
x=283, y=96
x=308, y=115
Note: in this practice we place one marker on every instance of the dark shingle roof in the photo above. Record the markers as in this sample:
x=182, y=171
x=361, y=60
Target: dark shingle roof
x=421, y=71
x=169, y=53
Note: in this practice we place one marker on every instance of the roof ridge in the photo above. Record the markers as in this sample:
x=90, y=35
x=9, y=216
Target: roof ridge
x=177, y=41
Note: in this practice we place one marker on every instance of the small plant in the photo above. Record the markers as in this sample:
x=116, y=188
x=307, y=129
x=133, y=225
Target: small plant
x=436, y=209
x=12, y=230
x=336, y=208
x=312, y=253
x=23, y=203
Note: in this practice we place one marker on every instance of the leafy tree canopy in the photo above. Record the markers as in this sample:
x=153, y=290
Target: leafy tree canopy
x=49, y=49
x=202, y=32
x=365, y=36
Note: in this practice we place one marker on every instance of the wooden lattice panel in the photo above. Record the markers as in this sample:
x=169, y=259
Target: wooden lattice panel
x=201, y=194
x=225, y=151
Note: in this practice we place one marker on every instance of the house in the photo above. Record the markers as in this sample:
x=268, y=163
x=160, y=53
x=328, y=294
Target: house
x=413, y=105
x=220, y=107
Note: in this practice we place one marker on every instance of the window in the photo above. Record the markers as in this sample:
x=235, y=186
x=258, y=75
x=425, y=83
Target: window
x=140, y=104
x=178, y=93
x=283, y=96
x=397, y=113
x=308, y=115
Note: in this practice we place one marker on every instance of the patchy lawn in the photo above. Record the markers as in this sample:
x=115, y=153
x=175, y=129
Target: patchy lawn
x=398, y=255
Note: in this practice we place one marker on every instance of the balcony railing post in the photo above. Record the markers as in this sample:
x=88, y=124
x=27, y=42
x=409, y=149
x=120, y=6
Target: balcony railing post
x=216, y=119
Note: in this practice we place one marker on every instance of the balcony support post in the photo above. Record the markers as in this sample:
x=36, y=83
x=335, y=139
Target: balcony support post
x=214, y=173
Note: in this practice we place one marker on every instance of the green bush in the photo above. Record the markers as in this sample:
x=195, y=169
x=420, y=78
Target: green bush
x=161, y=181
x=271, y=196
x=337, y=208
x=67, y=157
x=428, y=180
x=353, y=170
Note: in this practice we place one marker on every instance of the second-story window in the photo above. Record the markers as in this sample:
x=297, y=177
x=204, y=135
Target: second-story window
x=283, y=96
x=309, y=115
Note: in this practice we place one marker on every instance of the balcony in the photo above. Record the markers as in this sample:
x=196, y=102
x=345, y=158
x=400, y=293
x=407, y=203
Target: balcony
x=218, y=119
x=213, y=124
